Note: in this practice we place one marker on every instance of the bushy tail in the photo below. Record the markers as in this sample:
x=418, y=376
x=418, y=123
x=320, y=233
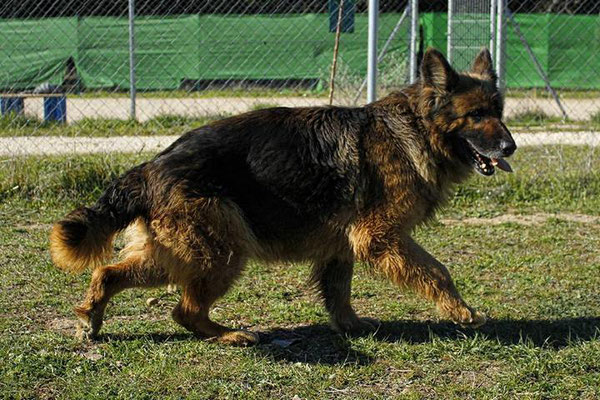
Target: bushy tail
x=84, y=238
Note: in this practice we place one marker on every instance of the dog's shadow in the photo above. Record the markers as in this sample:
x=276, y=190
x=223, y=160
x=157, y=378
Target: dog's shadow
x=317, y=344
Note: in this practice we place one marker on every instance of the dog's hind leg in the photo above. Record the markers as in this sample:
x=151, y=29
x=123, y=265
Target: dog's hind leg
x=200, y=293
x=107, y=281
x=333, y=279
x=408, y=264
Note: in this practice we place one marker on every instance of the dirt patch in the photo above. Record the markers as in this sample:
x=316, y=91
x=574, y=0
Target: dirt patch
x=53, y=145
x=62, y=325
x=33, y=227
x=67, y=325
x=139, y=317
x=531, y=219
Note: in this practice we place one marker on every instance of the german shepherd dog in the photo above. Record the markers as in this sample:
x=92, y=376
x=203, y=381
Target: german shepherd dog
x=325, y=185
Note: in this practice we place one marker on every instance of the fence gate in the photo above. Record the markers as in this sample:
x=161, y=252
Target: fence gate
x=471, y=26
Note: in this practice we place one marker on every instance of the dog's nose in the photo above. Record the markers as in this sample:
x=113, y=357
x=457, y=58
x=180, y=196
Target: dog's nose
x=508, y=147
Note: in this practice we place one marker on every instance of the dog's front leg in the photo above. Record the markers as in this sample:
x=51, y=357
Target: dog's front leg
x=406, y=263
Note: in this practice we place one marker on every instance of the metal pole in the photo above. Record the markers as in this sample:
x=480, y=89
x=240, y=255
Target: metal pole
x=383, y=51
x=449, y=32
x=132, y=91
x=493, y=7
x=414, y=21
x=372, y=51
x=536, y=63
x=500, y=44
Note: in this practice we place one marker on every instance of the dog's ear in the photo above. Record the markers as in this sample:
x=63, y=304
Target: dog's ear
x=436, y=72
x=482, y=65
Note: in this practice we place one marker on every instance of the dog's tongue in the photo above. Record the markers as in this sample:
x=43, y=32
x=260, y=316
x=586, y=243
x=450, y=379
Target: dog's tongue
x=502, y=164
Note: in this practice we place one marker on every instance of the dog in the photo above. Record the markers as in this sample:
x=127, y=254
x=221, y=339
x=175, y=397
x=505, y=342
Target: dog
x=324, y=185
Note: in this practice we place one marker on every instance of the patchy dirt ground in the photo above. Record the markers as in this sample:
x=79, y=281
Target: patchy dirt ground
x=532, y=219
x=55, y=145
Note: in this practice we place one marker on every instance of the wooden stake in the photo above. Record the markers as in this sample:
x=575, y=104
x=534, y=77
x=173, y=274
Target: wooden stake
x=338, y=31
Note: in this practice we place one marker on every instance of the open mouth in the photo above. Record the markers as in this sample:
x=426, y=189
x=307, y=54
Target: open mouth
x=486, y=165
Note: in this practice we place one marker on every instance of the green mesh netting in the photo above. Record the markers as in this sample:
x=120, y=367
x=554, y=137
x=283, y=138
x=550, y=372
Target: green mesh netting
x=172, y=49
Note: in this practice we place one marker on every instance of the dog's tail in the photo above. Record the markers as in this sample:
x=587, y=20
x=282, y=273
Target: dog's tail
x=85, y=236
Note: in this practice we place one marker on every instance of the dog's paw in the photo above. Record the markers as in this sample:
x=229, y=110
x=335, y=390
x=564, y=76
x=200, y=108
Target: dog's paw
x=84, y=332
x=369, y=325
x=472, y=319
x=239, y=338
x=356, y=326
x=87, y=326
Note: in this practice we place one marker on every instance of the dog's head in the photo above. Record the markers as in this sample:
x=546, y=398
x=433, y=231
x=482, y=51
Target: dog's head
x=465, y=110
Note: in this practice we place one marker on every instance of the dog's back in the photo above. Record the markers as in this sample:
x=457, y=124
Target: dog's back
x=288, y=170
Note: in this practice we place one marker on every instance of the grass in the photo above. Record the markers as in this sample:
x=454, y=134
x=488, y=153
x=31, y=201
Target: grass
x=262, y=106
x=347, y=84
x=595, y=118
x=393, y=73
x=547, y=179
x=27, y=125
x=532, y=117
x=167, y=124
x=208, y=93
x=538, y=283
x=542, y=93
x=537, y=120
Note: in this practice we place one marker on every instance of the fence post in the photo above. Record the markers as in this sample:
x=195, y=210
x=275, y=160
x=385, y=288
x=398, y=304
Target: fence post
x=132, y=89
x=414, y=21
x=493, y=7
x=449, y=32
x=500, y=45
x=372, y=51
x=383, y=50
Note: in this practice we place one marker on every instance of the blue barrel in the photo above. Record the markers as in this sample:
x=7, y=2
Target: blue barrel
x=11, y=105
x=55, y=109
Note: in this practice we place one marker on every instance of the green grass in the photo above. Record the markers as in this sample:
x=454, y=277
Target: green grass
x=531, y=117
x=595, y=118
x=58, y=179
x=392, y=74
x=538, y=283
x=546, y=179
x=26, y=125
x=538, y=121
x=347, y=85
x=209, y=93
x=262, y=106
x=544, y=94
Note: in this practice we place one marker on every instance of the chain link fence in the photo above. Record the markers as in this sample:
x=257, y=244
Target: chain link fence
x=115, y=75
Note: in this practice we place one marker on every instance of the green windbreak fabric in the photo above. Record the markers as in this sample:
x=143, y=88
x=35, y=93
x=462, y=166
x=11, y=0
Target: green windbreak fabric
x=205, y=47
x=283, y=47
x=566, y=46
x=165, y=52
x=574, y=51
x=34, y=51
x=171, y=49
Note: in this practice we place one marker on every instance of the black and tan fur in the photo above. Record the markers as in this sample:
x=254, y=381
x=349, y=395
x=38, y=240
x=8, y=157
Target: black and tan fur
x=327, y=185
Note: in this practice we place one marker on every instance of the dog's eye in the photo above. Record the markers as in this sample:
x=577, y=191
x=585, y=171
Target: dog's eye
x=477, y=115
